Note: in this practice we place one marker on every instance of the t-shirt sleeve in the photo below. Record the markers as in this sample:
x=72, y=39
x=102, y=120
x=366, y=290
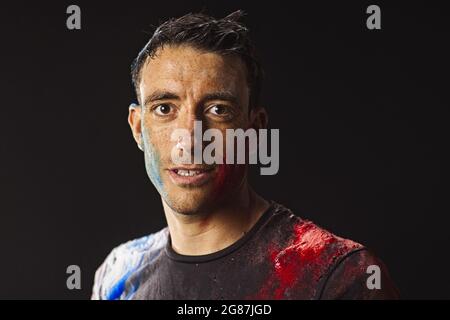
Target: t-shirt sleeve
x=360, y=275
x=98, y=290
x=110, y=282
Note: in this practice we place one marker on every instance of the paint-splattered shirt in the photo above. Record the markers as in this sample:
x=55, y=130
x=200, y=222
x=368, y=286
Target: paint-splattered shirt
x=281, y=257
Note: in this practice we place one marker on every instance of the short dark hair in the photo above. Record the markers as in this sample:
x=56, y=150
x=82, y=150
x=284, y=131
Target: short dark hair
x=226, y=36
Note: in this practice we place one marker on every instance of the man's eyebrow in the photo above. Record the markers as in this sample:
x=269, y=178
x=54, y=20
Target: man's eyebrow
x=221, y=95
x=160, y=95
x=166, y=95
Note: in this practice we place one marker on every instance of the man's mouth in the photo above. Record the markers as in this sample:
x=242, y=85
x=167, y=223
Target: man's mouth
x=187, y=173
x=191, y=176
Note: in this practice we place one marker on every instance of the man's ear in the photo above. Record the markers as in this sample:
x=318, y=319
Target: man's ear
x=259, y=118
x=134, y=120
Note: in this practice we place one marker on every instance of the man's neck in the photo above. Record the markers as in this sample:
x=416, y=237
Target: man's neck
x=208, y=233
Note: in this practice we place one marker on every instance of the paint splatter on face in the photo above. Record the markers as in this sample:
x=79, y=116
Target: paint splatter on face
x=152, y=166
x=228, y=177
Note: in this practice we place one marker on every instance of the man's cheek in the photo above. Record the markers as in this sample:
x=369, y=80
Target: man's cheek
x=152, y=164
x=228, y=176
x=154, y=159
x=159, y=140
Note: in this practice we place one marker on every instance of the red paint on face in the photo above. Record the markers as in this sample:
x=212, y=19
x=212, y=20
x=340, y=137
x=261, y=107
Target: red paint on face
x=228, y=176
x=307, y=257
x=219, y=183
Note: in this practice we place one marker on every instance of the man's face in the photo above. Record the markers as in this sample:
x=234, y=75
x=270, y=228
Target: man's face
x=178, y=86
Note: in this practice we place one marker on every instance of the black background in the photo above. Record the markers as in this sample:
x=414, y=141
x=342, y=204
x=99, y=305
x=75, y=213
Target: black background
x=361, y=114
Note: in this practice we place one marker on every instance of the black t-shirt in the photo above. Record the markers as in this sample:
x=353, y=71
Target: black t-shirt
x=281, y=257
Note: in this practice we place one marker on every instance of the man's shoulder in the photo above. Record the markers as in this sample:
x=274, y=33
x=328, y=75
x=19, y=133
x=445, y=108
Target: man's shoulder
x=312, y=262
x=302, y=254
x=308, y=238
x=122, y=262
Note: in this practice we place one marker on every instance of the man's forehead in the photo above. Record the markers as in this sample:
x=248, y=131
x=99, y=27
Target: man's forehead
x=177, y=67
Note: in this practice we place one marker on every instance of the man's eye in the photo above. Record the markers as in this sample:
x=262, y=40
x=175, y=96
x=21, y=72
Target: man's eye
x=218, y=110
x=162, y=109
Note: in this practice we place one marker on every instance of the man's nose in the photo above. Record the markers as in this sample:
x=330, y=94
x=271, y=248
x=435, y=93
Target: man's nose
x=193, y=124
x=187, y=120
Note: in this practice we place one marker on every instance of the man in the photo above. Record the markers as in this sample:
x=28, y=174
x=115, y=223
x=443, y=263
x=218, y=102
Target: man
x=223, y=241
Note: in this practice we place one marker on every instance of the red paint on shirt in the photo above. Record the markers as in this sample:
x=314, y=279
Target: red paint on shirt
x=303, y=262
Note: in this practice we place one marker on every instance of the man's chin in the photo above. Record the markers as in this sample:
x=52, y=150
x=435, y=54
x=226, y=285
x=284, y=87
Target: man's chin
x=186, y=209
x=190, y=203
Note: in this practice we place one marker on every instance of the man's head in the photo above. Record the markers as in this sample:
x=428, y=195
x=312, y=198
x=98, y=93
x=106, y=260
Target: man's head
x=195, y=68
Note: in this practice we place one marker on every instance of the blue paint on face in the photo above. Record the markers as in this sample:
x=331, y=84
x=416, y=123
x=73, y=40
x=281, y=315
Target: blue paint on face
x=152, y=165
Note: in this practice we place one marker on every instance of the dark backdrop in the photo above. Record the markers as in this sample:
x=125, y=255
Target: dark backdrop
x=361, y=114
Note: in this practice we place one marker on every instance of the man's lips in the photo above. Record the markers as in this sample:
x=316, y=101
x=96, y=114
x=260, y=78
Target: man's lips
x=190, y=176
x=191, y=171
